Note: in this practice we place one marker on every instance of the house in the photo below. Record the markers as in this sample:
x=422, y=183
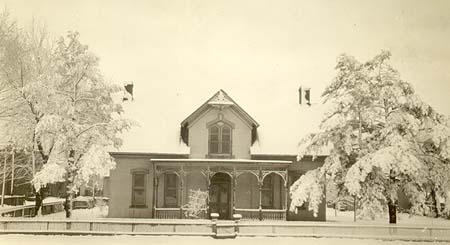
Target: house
x=220, y=149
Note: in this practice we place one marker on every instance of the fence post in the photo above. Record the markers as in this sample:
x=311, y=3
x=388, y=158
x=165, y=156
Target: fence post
x=237, y=218
x=214, y=217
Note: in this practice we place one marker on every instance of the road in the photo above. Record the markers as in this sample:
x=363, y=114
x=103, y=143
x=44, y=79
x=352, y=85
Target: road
x=145, y=240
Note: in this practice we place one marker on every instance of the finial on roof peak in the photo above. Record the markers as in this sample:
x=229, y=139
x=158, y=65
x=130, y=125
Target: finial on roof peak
x=220, y=99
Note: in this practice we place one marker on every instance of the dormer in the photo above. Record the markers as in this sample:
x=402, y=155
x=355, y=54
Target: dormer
x=219, y=128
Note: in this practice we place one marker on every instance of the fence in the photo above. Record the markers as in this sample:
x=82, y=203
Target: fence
x=223, y=229
x=80, y=227
x=309, y=229
x=13, y=200
x=29, y=210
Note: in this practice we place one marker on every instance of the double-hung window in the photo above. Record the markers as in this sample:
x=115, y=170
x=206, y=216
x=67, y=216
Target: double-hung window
x=138, y=192
x=220, y=140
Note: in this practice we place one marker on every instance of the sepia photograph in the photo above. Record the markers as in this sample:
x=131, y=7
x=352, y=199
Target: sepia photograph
x=224, y=122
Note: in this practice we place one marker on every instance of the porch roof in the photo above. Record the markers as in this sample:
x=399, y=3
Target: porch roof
x=209, y=160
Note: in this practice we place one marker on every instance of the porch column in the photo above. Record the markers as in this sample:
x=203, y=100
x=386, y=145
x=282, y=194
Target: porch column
x=286, y=194
x=234, y=189
x=208, y=188
x=260, y=183
x=155, y=190
x=155, y=195
x=182, y=174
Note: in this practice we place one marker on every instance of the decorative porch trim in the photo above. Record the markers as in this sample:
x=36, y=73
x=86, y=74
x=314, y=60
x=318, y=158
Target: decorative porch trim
x=234, y=168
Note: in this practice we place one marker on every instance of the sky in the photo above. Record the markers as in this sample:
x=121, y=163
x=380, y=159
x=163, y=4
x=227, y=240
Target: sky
x=257, y=51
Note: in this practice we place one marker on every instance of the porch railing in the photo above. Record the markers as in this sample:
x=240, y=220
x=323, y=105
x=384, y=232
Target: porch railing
x=261, y=214
x=168, y=213
x=273, y=214
x=176, y=213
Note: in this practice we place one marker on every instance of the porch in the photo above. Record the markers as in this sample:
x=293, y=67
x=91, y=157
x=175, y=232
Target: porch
x=255, y=189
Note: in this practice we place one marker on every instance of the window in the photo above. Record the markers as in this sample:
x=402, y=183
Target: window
x=267, y=192
x=170, y=190
x=138, y=191
x=220, y=139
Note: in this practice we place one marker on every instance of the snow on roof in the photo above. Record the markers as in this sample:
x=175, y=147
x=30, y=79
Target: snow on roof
x=281, y=131
x=282, y=121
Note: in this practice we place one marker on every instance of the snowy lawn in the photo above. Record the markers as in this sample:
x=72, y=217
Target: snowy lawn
x=138, y=240
x=345, y=217
x=98, y=212
x=402, y=219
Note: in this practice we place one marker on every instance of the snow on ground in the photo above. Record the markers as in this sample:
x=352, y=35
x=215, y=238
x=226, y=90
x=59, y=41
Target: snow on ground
x=5, y=206
x=138, y=240
x=46, y=200
x=98, y=212
x=402, y=219
x=339, y=217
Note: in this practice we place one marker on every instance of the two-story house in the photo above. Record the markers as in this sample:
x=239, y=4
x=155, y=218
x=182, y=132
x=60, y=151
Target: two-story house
x=223, y=155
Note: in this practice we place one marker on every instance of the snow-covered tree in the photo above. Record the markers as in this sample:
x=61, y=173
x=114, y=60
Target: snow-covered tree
x=24, y=58
x=371, y=130
x=82, y=121
x=435, y=147
x=64, y=109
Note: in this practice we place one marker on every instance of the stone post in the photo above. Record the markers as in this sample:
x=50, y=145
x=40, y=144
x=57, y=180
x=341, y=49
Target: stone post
x=237, y=218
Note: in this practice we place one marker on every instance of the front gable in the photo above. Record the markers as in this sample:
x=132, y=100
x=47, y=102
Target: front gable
x=219, y=128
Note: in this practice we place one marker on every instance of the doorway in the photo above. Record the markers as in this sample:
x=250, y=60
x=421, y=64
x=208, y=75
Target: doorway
x=220, y=195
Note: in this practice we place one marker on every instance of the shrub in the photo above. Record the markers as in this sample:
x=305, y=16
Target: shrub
x=196, y=207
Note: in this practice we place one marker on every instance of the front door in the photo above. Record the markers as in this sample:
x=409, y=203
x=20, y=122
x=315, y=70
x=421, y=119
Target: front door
x=219, y=195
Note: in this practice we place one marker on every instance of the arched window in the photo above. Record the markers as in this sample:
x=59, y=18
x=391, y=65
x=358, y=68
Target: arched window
x=267, y=192
x=170, y=190
x=220, y=139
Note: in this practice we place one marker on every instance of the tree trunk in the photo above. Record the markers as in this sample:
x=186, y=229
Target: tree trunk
x=435, y=203
x=40, y=196
x=392, y=207
x=67, y=206
x=69, y=182
x=68, y=203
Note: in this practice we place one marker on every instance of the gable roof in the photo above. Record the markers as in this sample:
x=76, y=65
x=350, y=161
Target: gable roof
x=220, y=98
x=282, y=122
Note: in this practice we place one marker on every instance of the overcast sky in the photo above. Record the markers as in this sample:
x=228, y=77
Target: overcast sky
x=255, y=50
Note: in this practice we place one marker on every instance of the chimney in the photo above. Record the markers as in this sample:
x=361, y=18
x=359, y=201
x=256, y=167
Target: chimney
x=128, y=91
x=308, y=96
x=300, y=95
x=304, y=96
